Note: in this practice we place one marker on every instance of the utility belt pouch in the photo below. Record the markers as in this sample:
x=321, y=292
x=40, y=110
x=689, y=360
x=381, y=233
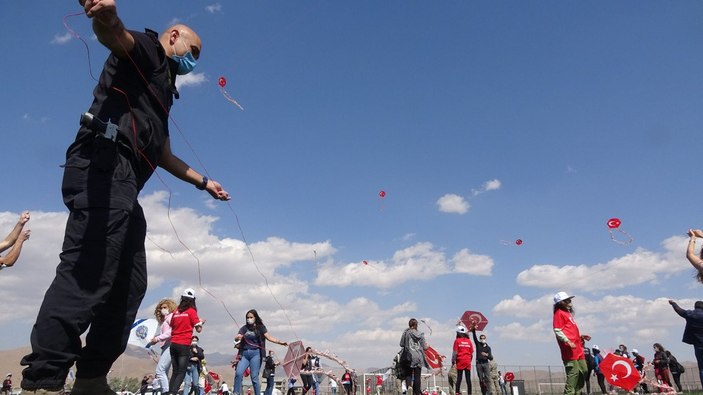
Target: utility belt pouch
x=104, y=145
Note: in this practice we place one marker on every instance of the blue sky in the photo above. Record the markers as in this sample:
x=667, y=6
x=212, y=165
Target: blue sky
x=482, y=122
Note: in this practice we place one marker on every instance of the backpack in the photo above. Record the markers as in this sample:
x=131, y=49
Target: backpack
x=681, y=368
x=398, y=366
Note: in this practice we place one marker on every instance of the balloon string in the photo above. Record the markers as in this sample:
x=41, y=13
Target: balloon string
x=76, y=35
x=230, y=98
x=629, y=240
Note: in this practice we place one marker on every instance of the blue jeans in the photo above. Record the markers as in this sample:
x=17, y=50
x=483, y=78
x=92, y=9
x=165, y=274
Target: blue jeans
x=192, y=378
x=269, y=384
x=162, y=369
x=250, y=359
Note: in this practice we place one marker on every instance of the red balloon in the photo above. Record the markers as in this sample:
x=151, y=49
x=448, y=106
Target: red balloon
x=222, y=81
x=518, y=242
x=509, y=376
x=614, y=223
x=382, y=194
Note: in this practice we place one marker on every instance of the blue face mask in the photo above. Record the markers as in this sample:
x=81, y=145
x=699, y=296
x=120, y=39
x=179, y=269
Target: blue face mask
x=186, y=63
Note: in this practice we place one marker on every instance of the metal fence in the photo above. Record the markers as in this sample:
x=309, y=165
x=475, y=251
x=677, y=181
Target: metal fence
x=537, y=380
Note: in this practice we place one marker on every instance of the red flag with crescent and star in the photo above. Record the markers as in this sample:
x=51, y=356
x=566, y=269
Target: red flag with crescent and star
x=433, y=359
x=620, y=372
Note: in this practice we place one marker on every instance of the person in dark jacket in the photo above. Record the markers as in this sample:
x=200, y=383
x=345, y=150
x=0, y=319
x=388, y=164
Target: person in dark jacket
x=661, y=364
x=102, y=275
x=483, y=357
x=675, y=369
x=597, y=359
x=638, y=361
x=192, y=379
x=693, y=332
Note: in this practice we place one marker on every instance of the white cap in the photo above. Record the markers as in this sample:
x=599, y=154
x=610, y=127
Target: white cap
x=560, y=296
x=461, y=329
x=188, y=293
x=634, y=350
x=596, y=347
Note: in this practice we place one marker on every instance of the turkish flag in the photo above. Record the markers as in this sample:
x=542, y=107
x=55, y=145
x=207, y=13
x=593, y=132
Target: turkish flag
x=214, y=375
x=433, y=359
x=620, y=372
x=474, y=316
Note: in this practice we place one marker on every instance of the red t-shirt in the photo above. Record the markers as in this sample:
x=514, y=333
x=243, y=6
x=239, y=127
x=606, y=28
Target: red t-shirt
x=565, y=321
x=182, y=324
x=464, y=350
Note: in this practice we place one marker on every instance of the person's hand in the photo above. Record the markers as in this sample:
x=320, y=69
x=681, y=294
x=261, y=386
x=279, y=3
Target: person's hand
x=215, y=190
x=103, y=9
x=238, y=337
x=284, y=344
x=671, y=302
x=695, y=233
x=24, y=218
x=586, y=337
x=25, y=234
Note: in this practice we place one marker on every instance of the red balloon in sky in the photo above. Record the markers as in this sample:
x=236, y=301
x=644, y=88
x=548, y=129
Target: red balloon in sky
x=518, y=242
x=382, y=194
x=614, y=223
x=222, y=82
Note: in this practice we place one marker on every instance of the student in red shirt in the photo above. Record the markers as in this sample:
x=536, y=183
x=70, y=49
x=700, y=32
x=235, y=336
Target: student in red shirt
x=183, y=321
x=462, y=354
x=570, y=343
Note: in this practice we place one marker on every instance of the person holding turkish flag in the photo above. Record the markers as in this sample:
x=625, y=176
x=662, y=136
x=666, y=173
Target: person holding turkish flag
x=570, y=342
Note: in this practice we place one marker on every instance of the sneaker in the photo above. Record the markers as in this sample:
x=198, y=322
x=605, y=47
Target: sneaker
x=96, y=386
x=42, y=392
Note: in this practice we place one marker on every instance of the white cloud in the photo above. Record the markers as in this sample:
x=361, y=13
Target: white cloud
x=31, y=119
x=190, y=79
x=466, y=262
x=451, y=203
x=213, y=8
x=60, y=39
x=638, y=267
x=490, y=185
x=418, y=262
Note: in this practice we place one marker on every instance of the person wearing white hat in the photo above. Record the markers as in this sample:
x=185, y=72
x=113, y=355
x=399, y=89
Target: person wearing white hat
x=570, y=341
x=183, y=321
x=462, y=354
